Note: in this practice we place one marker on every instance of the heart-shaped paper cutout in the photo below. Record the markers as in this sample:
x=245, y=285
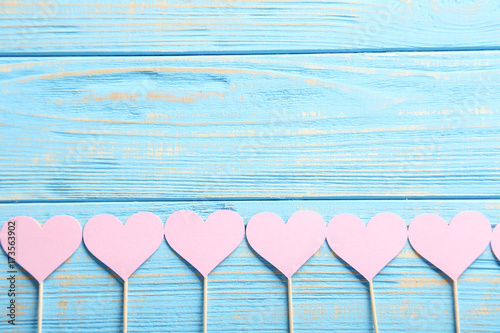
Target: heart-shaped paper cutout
x=454, y=247
x=495, y=241
x=287, y=246
x=368, y=248
x=204, y=244
x=123, y=248
x=40, y=250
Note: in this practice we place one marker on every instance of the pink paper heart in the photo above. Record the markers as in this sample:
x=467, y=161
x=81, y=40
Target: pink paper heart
x=204, y=244
x=454, y=247
x=495, y=241
x=123, y=248
x=287, y=246
x=368, y=248
x=40, y=250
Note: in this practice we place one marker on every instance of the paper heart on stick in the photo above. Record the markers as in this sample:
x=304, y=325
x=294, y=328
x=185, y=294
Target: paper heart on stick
x=40, y=250
x=204, y=244
x=123, y=248
x=287, y=246
x=368, y=248
x=454, y=247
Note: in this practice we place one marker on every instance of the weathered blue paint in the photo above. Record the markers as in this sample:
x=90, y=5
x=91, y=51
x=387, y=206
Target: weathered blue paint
x=111, y=27
x=391, y=125
x=271, y=123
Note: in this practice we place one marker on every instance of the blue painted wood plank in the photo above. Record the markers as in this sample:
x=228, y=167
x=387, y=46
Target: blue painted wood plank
x=246, y=293
x=73, y=27
x=392, y=125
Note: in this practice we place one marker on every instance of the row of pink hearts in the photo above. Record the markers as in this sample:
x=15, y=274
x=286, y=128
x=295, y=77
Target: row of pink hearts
x=368, y=249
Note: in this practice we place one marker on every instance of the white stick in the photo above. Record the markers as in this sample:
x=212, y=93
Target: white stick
x=374, y=308
x=290, y=306
x=125, y=305
x=205, y=301
x=455, y=301
x=40, y=307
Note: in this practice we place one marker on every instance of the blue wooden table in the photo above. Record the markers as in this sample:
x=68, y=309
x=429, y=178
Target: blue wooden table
x=335, y=106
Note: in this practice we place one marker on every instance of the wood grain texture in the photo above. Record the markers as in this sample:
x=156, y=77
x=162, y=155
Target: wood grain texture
x=246, y=293
x=253, y=26
x=242, y=127
x=392, y=125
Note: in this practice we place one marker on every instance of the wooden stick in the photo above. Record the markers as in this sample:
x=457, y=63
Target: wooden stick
x=125, y=305
x=290, y=306
x=205, y=301
x=40, y=307
x=374, y=308
x=455, y=301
